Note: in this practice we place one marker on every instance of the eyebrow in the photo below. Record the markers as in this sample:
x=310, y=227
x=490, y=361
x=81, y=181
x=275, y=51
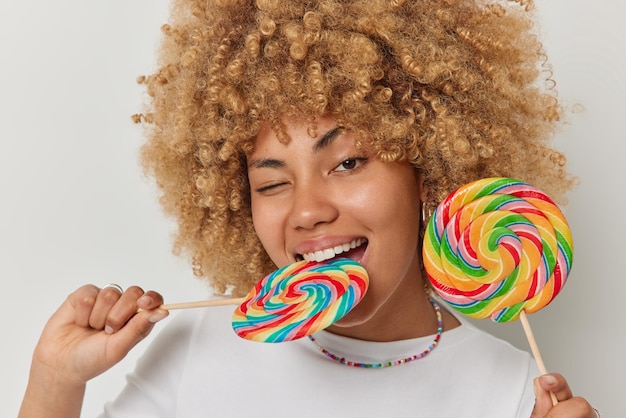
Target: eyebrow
x=328, y=138
x=265, y=163
x=322, y=143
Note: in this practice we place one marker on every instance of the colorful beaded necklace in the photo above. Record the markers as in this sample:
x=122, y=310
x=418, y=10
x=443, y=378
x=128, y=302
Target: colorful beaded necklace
x=430, y=348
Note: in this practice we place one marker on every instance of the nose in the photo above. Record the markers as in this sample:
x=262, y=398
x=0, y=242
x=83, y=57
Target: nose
x=312, y=206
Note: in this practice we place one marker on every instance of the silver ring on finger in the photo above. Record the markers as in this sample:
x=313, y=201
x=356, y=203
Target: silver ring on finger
x=597, y=412
x=114, y=286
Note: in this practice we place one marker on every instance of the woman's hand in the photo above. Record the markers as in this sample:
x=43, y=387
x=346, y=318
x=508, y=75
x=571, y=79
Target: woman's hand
x=568, y=406
x=90, y=332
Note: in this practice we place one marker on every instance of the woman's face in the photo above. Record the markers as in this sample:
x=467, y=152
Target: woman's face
x=318, y=198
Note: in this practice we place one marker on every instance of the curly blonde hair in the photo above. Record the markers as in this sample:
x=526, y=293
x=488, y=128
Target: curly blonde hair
x=459, y=88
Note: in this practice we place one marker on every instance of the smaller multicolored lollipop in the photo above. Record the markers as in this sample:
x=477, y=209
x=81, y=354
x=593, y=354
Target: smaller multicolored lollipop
x=300, y=299
x=497, y=247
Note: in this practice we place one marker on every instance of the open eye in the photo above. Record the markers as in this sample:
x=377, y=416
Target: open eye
x=350, y=164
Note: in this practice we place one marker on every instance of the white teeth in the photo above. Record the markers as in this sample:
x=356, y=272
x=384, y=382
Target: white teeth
x=328, y=253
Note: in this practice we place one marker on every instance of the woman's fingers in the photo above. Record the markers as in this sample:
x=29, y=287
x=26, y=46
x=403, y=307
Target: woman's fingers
x=135, y=330
x=82, y=301
x=109, y=309
x=133, y=299
x=556, y=384
x=568, y=406
x=544, y=386
x=150, y=300
x=106, y=299
x=117, y=310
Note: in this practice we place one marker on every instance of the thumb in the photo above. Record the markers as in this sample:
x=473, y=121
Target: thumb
x=543, y=401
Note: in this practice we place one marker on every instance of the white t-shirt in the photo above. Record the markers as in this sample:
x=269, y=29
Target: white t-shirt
x=198, y=367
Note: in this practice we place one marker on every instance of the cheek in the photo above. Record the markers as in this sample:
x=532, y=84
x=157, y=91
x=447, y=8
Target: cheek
x=266, y=223
x=383, y=206
x=260, y=221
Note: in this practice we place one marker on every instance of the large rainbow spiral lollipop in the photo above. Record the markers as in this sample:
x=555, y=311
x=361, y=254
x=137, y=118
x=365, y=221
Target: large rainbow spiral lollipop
x=300, y=299
x=497, y=247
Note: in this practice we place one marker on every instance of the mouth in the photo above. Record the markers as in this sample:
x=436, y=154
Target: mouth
x=353, y=249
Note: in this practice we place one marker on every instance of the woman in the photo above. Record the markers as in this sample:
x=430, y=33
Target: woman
x=286, y=130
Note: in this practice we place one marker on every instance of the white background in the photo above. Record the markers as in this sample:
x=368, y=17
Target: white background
x=74, y=207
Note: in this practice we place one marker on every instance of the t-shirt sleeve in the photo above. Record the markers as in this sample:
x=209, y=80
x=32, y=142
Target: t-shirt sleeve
x=152, y=388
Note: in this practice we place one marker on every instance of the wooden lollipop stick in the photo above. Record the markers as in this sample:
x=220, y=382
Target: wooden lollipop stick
x=535, y=349
x=201, y=304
